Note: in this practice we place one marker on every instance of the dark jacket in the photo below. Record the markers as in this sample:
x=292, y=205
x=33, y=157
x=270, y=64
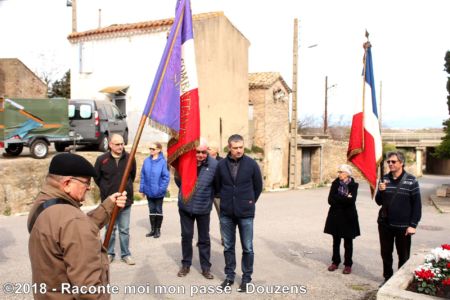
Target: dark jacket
x=342, y=219
x=238, y=196
x=154, y=177
x=109, y=175
x=405, y=210
x=201, y=201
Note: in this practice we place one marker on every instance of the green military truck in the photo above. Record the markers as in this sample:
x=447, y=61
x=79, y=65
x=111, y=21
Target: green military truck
x=33, y=123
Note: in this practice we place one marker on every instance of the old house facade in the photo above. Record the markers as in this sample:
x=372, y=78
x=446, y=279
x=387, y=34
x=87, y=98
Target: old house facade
x=18, y=81
x=119, y=62
x=269, y=125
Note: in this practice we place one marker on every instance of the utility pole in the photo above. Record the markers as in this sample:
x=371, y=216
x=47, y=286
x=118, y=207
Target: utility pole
x=74, y=16
x=325, y=116
x=293, y=142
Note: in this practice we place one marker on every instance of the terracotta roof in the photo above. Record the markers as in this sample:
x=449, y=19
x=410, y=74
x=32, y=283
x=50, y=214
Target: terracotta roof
x=133, y=28
x=264, y=80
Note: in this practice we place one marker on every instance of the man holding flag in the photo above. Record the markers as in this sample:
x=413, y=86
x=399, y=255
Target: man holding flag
x=401, y=209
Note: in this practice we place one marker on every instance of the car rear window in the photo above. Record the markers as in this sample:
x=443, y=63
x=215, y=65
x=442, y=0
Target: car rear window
x=80, y=111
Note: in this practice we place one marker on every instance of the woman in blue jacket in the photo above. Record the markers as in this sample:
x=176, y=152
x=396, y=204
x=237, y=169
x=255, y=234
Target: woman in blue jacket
x=154, y=181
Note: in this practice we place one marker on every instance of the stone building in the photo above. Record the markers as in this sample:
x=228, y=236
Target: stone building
x=269, y=125
x=17, y=81
x=118, y=63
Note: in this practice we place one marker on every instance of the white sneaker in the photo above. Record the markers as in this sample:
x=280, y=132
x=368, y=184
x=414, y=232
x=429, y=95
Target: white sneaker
x=128, y=260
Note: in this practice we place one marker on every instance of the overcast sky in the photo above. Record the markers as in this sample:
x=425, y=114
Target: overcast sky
x=409, y=38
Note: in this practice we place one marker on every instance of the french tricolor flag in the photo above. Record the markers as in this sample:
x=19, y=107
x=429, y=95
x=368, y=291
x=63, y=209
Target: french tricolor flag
x=173, y=102
x=364, y=147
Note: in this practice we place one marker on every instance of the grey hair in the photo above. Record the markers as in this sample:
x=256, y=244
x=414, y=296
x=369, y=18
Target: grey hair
x=56, y=177
x=399, y=154
x=235, y=138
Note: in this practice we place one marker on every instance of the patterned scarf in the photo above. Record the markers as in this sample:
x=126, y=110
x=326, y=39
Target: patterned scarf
x=343, y=187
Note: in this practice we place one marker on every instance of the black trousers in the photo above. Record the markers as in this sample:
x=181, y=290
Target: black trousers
x=388, y=237
x=348, y=248
x=204, y=242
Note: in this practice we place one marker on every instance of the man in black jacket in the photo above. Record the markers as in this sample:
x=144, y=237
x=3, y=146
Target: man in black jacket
x=110, y=168
x=239, y=182
x=400, y=213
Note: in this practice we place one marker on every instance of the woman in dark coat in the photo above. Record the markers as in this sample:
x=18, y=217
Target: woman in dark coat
x=342, y=220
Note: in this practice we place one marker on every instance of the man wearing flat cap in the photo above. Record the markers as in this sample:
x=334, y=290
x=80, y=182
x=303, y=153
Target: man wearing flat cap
x=67, y=257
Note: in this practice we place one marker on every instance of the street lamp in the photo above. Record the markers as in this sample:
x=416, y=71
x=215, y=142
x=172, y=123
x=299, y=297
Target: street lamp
x=325, y=117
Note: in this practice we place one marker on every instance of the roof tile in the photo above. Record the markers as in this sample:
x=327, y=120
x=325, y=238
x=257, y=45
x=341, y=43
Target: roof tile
x=126, y=29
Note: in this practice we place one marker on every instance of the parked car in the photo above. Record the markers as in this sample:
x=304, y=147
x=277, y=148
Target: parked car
x=94, y=121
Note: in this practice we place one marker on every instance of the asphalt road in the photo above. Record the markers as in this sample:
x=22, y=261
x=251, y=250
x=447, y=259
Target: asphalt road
x=291, y=251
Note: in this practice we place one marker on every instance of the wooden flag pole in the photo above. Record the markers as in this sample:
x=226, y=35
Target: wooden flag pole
x=137, y=138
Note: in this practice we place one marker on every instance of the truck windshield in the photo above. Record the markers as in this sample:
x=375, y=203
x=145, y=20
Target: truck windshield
x=80, y=111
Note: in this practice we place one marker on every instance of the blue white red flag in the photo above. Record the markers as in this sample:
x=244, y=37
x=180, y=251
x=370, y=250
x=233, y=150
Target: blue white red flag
x=365, y=147
x=173, y=102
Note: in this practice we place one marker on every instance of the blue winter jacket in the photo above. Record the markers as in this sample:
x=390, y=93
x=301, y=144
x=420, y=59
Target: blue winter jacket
x=202, y=199
x=154, y=177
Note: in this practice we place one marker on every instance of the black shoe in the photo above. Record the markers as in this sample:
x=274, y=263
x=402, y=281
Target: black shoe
x=226, y=283
x=243, y=287
x=157, y=233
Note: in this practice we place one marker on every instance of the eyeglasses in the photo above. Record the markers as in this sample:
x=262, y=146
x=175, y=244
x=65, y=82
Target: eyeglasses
x=151, y=149
x=87, y=184
x=391, y=162
x=118, y=144
x=201, y=152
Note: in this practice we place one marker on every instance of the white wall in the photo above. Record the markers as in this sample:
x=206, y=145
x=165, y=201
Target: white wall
x=123, y=61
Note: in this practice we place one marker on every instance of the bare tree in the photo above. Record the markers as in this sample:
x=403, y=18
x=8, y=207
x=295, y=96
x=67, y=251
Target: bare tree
x=307, y=124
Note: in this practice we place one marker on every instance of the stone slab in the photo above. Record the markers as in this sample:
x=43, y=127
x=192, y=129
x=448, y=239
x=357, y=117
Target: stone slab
x=395, y=288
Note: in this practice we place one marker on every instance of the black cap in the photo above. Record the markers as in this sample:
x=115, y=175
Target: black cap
x=68, y=164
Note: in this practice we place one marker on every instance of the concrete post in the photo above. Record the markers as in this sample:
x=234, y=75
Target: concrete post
x=419, y=161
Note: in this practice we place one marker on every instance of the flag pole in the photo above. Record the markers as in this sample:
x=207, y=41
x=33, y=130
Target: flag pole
x=366, y=46
x=137, y=138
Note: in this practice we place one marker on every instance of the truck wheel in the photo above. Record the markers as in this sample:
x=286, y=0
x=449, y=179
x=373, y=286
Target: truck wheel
x=103, y=146
x=39, y=149
x=14, y=149
x=60, y=147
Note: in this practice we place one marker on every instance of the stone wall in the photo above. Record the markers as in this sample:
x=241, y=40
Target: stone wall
x=271, y=133
x=22, y=177
x=17, y=81
x=335, y=153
